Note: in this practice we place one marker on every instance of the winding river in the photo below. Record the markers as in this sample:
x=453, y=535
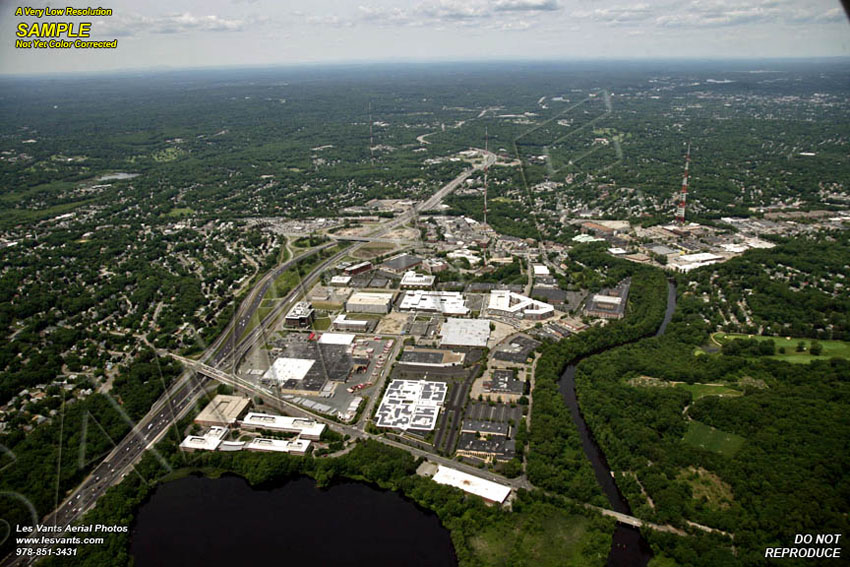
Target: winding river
x=628, y=548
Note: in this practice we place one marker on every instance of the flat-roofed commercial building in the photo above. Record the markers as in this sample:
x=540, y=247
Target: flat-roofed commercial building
x=490, y=448
x=540, y=270
x=412, y=280
x=437, y=358
x=285, y=369
x=210, y=441
x=465, y=332
x=506, y=302
x=445, y=302
x=223, y=411
x=357, y=268
x=411, y=404
x=401, y=263
x=491, y=492
x=503, y=386
x=340, y=281
x=306, y=428
x=301, y=315
x=369, y=302
x=291, y=446
x=343, y=323
x=610, y=304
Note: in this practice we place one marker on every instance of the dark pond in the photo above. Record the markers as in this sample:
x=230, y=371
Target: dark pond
x=225, y=522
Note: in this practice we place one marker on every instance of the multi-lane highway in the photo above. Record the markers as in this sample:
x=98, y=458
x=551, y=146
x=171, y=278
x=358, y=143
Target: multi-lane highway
x=181, y=396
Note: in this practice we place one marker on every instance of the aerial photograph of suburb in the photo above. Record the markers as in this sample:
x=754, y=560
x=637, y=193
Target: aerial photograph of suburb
x=425, y=283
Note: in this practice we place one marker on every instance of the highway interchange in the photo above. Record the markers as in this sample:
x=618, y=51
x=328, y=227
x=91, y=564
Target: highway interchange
x=181, y=396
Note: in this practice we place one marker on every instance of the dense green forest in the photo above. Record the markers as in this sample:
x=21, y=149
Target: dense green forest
x=54, y=458
x=556, y=460
x=744, y=445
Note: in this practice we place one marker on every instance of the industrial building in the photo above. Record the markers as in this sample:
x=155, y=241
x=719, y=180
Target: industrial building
x=540, y=270
x=491, y=492
x=301, y=315
x=305, y=428
x=465, y=333
x=503, y=385
x=340, y=281
x=343, y=323
x=445, y=302
x=509, y=303
x=286, y=369
x=411, y=404
x=517, y=349
x=223, y=411
x=412, y=280
x=610, y=304
x=369, y=302
x=401, y=263
x=432, y=357
x=489, y=449
x=357, y=268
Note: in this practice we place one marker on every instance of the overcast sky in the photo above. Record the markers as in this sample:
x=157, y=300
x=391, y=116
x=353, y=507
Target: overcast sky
x=203, y=33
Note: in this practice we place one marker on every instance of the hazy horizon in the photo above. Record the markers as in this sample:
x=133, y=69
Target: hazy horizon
x=262, y=33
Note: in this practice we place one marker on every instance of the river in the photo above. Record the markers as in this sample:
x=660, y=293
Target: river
x=628, y=548
x=225, y=522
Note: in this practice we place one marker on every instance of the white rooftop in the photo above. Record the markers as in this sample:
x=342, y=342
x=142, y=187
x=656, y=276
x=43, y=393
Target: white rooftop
x=486, y=489
x=370, y=298
x=207, y=442
x=284, y=423
x=701, y=257
x=284, y=369
x=465, y=332
x=514, y=303
x=278, y=445
x=612, y=299
x=448, y=302
x=540, y=270
x=411, y=404
x=336, y=339
x=412, y=278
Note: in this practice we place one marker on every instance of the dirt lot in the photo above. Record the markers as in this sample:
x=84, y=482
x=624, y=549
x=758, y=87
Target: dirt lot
x=392, y=324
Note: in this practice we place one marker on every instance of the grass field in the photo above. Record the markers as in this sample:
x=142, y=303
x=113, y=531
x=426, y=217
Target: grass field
x=706, y=437
x=554, y=539
x=180, y=212
x=701, y=390
x=831, y=349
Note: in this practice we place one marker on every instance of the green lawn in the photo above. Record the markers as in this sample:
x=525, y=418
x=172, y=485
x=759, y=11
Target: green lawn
x=831, y=349
x=706, y=437
x=701, y=390
x=180, y=212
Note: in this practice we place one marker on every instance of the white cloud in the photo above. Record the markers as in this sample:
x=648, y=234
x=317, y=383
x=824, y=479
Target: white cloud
x=135, y=24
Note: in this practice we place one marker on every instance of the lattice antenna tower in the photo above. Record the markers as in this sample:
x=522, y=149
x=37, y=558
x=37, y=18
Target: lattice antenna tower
x=683, y=195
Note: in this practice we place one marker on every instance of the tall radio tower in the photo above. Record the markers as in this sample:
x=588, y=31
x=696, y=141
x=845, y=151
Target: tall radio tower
x=683, y=198
x=486, y=152
x=371, y=141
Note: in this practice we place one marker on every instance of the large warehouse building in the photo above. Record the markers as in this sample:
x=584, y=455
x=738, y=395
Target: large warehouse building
x=465, y=332
x=369, y=302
